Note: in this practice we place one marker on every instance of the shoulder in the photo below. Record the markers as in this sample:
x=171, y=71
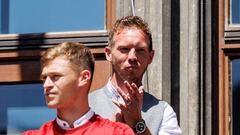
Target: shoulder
x=117, y=128
x=42, y=130
x=98, y=96
x=97, y=91
x=168, y=111
x=169, y=123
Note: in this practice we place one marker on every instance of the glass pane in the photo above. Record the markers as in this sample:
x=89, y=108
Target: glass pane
x=37, y=16
x=236, y=96
x=235, y=11
x=22, y=107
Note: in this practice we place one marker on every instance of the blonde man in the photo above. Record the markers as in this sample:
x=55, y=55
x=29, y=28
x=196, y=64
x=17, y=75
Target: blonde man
x=67, y=71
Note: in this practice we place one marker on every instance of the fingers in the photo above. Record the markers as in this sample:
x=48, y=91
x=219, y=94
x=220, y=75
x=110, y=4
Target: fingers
x=131, y=88
x=132, y=95
x=119, y=117
x=140, y=93
x=123, y=95
x=120, y=104
x=131, y=102
x=140, y=96
x=135, y=92
x=116, y=103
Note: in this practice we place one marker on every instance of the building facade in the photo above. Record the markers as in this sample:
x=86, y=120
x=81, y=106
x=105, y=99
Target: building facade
x=196, y=60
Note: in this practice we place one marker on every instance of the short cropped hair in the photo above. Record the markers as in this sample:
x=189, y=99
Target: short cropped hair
x=79, y=56
x=128, y=22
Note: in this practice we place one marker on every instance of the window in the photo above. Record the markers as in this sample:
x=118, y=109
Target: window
x=235, y=96
x=235, y=12
x=229, y=65
x=22, y=107
x=28, y=24
x=28, y=16
x=27, y=28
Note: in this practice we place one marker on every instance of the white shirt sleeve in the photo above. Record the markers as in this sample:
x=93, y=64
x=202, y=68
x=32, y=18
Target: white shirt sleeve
x=169, y=124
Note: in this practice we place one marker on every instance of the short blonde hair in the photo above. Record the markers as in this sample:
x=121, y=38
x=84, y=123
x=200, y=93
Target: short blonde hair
x=78, y=55
x=128, y=22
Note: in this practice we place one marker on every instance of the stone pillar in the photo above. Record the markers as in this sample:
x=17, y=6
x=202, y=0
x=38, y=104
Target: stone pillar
x=179, y=70
x=189, y=67
x=157, y=13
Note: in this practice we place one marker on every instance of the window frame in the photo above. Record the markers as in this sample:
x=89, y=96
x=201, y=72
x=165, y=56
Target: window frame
x=231, y=32
x=18, y=51
x=11, y=41
x=228, y=49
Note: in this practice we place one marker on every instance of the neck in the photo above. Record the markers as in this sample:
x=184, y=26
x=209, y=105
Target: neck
x=70, y=115
x=118, y=82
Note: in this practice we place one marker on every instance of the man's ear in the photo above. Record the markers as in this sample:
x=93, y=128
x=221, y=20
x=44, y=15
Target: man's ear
x=108, y=53
x=151, y=56
x=85, y=77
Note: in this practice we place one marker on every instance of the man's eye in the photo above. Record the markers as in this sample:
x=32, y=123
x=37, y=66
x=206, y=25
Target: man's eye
x=124, y=50
x=43, y=78
x=140, y=50
x=55, y=77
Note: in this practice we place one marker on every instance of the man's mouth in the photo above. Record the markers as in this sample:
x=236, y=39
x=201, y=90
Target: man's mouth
x=50, y=93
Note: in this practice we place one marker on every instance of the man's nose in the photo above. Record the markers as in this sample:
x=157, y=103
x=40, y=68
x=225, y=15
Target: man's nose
x=132, y=54
x=47, y=83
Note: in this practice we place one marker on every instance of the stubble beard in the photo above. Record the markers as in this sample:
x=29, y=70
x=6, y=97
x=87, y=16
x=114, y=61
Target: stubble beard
x=130, y=77
x=125, y=75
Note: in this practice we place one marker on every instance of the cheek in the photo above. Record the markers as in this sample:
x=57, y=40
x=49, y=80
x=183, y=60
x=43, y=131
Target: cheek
x=118, y=59
x=144, y=59
x=67, y=87
x=145, y=64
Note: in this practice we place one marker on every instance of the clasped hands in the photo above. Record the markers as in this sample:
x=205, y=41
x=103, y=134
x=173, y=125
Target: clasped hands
x=130, y=109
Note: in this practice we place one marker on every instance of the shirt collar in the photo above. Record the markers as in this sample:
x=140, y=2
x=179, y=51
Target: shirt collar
x=114, y=93
x=82, y=120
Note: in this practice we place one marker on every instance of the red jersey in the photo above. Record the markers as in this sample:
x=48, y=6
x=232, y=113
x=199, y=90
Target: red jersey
x=95, y=126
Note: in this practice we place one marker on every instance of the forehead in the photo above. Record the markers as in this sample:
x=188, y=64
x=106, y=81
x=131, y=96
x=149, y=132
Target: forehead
x=58, y=64
x=130, y=35
x=129, y=29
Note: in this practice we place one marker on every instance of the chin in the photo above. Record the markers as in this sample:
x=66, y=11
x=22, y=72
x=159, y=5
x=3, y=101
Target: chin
x=131, y=80
x=52, y=105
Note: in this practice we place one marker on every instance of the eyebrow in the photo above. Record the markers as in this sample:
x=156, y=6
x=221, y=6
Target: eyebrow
x=50, y=73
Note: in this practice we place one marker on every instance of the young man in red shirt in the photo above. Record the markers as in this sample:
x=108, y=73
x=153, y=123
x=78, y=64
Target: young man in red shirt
x=67, y=71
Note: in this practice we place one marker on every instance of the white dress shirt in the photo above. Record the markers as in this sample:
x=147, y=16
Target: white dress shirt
x=82, y=120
